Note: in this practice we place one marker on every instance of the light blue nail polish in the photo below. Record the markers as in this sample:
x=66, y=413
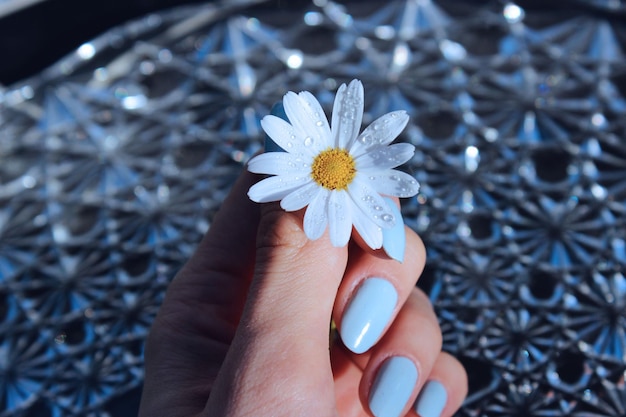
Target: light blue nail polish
x=392, y=387
x=432, y=400
x=277, y=110
x=367, y=314
x=394, y=239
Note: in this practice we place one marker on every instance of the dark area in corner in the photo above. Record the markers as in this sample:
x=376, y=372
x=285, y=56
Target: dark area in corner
x=38, y=36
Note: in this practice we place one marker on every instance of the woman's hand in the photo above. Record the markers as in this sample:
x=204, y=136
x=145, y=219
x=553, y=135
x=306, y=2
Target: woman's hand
x=244, y=328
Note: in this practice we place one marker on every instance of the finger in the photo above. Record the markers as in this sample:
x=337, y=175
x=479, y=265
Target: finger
x=283, y=333
x=403, y=359
x=444, y=391
x=373, y=290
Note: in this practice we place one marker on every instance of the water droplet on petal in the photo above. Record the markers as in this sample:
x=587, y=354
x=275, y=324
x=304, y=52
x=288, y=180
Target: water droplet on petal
x=319, y=123
x=308, y=141
x=378, y=208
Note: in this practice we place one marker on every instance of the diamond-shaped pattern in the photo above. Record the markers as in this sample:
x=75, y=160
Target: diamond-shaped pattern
x=113, y=161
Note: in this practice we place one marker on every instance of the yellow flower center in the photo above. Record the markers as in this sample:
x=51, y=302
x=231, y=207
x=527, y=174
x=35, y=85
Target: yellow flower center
x=333, y=169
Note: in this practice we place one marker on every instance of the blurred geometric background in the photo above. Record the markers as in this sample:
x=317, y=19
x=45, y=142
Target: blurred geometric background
x=114, y=158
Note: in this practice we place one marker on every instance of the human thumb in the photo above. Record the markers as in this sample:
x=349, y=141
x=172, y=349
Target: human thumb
x=281, y=346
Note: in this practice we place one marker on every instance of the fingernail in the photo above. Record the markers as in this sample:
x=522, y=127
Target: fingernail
x=431, y=400
x=392, y=387
x=367, y=314
x=277, y=110
x=394, y=239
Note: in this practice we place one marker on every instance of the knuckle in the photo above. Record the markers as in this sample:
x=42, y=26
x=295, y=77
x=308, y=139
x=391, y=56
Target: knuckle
x=280, y=231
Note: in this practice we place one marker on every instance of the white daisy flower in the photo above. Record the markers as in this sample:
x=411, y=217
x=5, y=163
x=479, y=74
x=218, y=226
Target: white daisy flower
x=339, y=174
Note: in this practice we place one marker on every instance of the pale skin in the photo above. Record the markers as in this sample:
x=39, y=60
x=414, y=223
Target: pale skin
x=244, y=328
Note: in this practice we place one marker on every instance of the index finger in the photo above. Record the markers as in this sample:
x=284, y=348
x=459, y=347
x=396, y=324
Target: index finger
x=373, y=290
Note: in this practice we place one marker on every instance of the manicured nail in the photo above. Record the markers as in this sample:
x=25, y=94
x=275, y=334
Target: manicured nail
x=431, y=400
x=392, y=387
x=394, y=239
x=367, y=314
x=278, y=110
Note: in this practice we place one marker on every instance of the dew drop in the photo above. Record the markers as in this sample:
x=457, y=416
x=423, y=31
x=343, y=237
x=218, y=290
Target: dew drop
x=378, y=208
x=319, y=123
x=387, y=218
x=308, y=141
x=372, y=177
x=395, y=178
x=289, y=144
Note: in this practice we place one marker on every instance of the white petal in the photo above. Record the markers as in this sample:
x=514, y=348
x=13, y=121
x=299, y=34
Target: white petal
x=308, y=118
x=371, y=204
x=315, y=217
x=347, y=114
x=371, y=234
x=285, y=136
x=385, y=157
x=316, y=116
x=394, y=183
x=300, y=197
x=275, y=188
x=382, y=131
x=278, y=163
x=339, y=218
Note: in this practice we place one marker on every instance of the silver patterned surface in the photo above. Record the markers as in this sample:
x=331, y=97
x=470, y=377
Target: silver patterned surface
x=113, y=161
